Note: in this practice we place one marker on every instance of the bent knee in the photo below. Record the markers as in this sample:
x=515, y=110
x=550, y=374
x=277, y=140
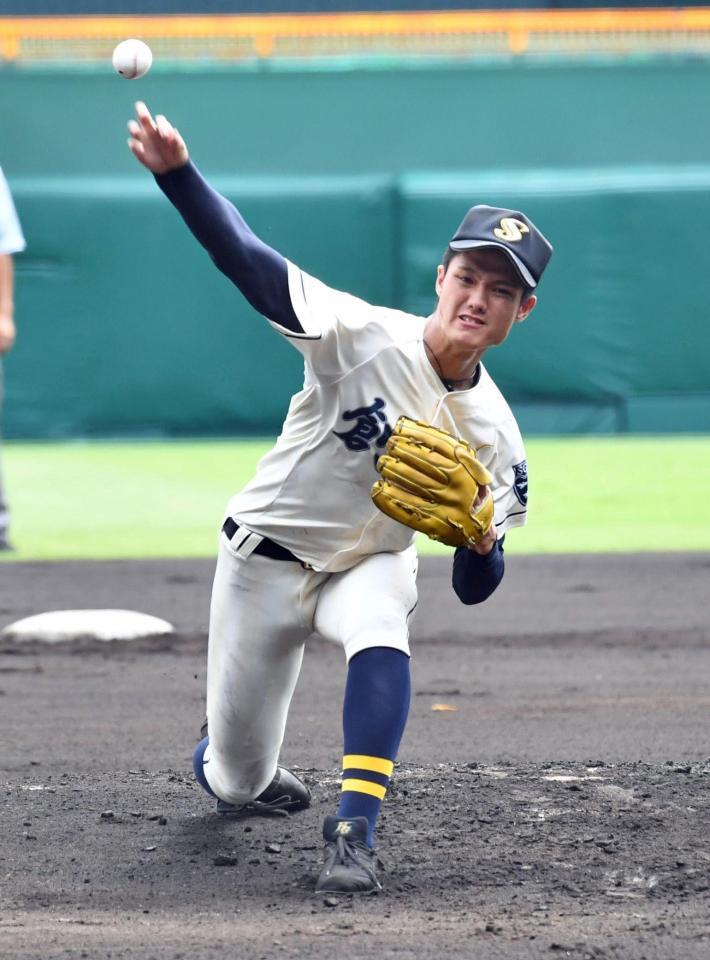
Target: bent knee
x=237, y=782
x=388, y=632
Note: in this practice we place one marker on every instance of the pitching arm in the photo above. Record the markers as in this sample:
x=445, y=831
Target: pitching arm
x=258, y=271
x=254, y=267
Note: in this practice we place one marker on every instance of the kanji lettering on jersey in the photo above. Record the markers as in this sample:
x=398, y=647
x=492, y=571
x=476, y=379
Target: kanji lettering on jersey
x=371, y=425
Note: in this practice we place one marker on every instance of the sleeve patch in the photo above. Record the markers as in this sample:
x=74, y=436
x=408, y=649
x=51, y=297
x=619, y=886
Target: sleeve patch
x=520, y=484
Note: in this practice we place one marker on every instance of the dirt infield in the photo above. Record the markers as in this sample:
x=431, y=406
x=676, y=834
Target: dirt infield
x=559, y=809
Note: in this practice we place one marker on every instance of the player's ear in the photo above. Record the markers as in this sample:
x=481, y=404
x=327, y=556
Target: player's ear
x=440, y=274
x=525, y=308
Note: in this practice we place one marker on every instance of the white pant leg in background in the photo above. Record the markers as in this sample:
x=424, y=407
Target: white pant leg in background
x=370, y=605
x=261, y=614
x=4, y=511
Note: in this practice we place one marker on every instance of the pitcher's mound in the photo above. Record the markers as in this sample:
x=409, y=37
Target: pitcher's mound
x=57, y=626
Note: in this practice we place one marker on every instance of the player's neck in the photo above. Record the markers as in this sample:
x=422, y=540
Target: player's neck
x=457, y=370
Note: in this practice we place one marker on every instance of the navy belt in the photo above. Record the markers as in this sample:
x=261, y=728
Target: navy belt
x=267, y=548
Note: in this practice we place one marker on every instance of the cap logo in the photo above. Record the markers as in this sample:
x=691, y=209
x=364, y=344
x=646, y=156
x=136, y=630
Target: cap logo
x=343, y=828
x=511, y=230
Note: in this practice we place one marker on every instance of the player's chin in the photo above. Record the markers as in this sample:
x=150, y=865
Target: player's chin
x=473, y=337
x=481, y=336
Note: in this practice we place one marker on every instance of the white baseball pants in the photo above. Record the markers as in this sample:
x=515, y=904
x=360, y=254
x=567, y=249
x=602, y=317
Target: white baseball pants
x=262, y=613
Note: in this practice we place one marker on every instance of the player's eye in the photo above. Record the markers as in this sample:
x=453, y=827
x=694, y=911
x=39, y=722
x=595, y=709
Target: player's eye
x=504, y=292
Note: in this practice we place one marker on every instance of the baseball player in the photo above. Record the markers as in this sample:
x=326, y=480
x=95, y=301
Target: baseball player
x=11, y=241
x=398, y=428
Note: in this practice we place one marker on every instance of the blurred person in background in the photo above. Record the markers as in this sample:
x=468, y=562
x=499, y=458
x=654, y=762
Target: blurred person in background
x=11, y=241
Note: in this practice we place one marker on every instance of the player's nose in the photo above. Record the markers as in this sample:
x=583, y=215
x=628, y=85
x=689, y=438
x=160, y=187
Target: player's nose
x=477, y=300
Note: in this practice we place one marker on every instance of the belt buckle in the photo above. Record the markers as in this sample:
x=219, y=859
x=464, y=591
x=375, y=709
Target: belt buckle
x=246, y=540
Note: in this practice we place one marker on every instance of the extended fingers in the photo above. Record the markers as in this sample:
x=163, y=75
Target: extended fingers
x=143, y=129
x=146, y=124
x=138, y=150
x=144, y=117
x=161, y=129
x=155, y=142
x=164, y=128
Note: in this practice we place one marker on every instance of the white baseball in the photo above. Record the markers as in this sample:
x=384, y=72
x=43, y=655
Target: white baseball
x=132, y=59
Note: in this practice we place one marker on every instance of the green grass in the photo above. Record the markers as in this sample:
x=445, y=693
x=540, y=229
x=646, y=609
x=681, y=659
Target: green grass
x=166, y=499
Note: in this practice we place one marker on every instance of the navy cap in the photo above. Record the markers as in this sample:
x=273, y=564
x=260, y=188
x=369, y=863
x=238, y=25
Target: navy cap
x=510, y=231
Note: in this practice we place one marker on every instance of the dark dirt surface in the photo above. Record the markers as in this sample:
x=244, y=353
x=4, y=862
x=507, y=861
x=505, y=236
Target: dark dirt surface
x=560, y=809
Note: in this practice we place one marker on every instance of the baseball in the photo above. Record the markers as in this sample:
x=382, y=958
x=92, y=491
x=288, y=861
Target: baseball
x=132, y=59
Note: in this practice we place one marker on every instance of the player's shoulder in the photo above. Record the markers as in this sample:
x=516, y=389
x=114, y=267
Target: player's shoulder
x=399, y=322
x=489, y=396
x=349, y=309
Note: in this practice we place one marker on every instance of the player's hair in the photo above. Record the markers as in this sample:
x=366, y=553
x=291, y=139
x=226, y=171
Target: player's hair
x=449, y=255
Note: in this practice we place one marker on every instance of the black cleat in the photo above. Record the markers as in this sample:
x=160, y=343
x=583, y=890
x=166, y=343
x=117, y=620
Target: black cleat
x=350, y=865
x=284, y=795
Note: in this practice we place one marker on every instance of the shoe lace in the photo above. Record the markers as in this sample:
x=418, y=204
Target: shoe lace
x=345, y=850
x=257, y=808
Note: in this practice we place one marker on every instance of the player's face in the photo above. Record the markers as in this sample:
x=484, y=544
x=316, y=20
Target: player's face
x=480, y=298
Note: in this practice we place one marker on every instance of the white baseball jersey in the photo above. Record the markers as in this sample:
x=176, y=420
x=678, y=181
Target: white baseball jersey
x=11, y=238
x=365, y=366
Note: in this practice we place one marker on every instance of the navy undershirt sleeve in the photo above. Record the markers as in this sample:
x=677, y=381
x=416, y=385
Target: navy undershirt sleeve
x=476, y=577
x=254, y=267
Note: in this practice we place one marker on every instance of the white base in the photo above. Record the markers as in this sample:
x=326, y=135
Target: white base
x=61, y=625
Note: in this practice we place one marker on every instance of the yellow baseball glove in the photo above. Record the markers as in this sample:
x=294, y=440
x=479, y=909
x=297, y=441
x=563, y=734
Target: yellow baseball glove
x=430, y=480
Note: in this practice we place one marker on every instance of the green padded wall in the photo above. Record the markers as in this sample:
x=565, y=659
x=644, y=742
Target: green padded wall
x=128, y=328
x=354, y=120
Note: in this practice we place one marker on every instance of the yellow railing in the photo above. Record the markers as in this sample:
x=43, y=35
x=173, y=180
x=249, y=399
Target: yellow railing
x=500, y=31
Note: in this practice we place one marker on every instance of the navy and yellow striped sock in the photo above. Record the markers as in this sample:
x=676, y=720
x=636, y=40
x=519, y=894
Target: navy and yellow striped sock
x=375, y=709
x=365, y=782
